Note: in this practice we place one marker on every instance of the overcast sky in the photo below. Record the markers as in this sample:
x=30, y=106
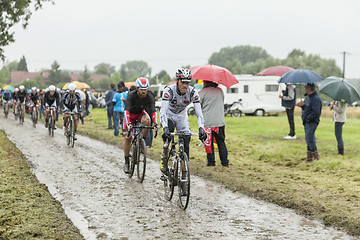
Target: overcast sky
x=168, y=34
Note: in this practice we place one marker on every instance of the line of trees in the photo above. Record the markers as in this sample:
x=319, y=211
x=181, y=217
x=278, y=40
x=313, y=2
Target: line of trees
x=238, y=59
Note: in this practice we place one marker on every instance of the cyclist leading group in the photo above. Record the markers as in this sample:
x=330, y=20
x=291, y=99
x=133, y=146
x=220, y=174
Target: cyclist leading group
x=21, y=98
x=34, y=100
x=71, y=102
x=51, y=99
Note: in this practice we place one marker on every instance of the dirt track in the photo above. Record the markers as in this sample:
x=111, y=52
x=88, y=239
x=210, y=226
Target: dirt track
x=105, y=204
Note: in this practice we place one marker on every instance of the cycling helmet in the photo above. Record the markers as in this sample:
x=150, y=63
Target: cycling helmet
x=16, y=90
x=52, y=88
x=33, y=89
x=21, y=87
x=142, y=83
x=72, y=87
x=183, y=74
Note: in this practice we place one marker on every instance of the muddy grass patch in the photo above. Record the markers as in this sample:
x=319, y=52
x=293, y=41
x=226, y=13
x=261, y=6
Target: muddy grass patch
x=28, y=211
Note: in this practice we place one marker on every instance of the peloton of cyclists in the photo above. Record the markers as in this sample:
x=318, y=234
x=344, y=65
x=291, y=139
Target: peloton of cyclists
x=51, y=99
x=71, y=102
x=135, y=105
x=173, y=114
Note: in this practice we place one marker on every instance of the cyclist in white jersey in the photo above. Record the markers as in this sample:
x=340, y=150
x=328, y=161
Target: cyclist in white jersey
x=173, y=114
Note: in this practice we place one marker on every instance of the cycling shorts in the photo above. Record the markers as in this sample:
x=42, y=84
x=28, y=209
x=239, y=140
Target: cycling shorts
x=134, y=118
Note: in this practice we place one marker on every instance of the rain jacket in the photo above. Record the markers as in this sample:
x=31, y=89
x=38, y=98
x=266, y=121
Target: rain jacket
x=311, y=110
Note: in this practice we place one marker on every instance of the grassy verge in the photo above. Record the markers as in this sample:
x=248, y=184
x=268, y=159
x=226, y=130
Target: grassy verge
x=28, y=211
x=265, y=166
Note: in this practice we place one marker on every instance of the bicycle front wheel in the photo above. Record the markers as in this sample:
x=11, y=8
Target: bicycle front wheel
x=169, y=181
x=183, y=181
x=141, y=160
x=68, y=132
x=132, y=158
x=71, y=134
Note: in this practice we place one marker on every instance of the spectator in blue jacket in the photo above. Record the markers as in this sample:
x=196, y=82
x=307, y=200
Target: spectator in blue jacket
x=119, y=107
x=109, y=105
x=311, y=111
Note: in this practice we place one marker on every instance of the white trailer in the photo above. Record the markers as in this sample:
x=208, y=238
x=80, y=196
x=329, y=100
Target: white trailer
x=258, y=94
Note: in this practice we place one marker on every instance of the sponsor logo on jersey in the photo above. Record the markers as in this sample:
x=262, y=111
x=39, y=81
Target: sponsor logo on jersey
x=166, y=95
x=196, y=97
x=186, y=101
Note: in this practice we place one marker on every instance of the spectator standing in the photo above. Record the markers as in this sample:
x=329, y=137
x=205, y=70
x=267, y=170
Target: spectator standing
x=109, y=105
x=87, y=102
x=212, y=105
x=119, y=107
x=288, y=101
x=339, y=109
x=311, y=111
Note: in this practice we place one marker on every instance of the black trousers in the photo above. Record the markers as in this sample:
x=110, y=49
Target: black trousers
x=290, y=115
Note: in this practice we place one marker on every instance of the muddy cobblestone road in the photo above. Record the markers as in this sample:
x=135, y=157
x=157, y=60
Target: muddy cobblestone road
x=105, y=204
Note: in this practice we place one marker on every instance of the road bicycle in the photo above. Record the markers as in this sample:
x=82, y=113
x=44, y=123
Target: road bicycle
x=51, y=125
x=70, y=132
x=6, y=108
x=34, y=115
x=138, y=151
x=178, y=173
x=21, y=113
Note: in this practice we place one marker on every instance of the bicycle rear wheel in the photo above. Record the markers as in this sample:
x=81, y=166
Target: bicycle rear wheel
x=132, y=158
x=184, y=181
x=141, y=160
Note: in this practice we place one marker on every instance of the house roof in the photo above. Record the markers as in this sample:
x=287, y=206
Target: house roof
x=19, y=76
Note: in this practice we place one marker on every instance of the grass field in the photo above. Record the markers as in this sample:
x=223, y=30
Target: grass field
x=27, y=210
x=265, y=166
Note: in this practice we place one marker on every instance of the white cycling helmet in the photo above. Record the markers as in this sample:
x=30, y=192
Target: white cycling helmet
x=52, y=88
x=21, y=87
x=72, y=87
x=33, y=89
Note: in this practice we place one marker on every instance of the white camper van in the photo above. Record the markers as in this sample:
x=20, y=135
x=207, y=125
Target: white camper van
x=158, y=91
x=258, y=94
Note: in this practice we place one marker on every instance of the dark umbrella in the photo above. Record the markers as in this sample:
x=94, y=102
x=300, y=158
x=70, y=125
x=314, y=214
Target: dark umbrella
x=339, y=89
x=300, y=76
x=275, y=71
x=215, y=74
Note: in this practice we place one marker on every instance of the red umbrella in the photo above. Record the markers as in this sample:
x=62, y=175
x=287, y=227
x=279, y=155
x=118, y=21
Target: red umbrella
x=275, y=71
x=214, y=73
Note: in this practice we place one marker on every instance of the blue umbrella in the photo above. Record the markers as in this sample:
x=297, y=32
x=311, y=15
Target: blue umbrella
x=300, y=76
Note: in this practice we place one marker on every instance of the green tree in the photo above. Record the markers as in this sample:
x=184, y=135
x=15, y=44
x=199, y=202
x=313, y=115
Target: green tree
x=243, y=54
x=55, y=76
x=13, y=12
x=104, y=68
x=4, y=75
x=134, y=69
x=22, y=66
x=85, y=75
x=12, y=66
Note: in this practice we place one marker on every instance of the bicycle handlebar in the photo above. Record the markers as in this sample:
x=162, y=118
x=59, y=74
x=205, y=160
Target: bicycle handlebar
x=142, y=127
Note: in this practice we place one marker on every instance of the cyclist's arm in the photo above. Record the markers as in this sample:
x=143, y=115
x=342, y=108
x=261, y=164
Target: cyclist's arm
x=166, y=98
